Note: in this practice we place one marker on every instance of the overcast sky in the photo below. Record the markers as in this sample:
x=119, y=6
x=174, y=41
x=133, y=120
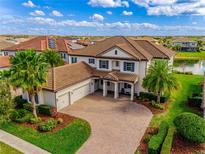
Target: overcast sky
x=103, y=17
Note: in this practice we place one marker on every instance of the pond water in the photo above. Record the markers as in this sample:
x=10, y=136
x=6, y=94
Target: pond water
x=194, y=66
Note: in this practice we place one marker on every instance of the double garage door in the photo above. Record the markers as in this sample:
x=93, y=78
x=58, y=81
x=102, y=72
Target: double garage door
x=71, y=97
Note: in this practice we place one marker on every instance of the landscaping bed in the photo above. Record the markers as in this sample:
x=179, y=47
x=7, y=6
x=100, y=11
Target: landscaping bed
x=65, y=118
x=181, y=145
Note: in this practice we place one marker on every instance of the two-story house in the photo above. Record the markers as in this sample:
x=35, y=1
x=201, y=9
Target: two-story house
x=185, y=44
x=117, y=65
x=42, y=43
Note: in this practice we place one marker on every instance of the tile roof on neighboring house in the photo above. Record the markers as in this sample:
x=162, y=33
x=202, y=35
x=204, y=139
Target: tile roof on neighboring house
x=5, y=44
x=4, y=61
x=42, y=43
x=183, y=39
x=70, y=74
x=139, y=49
x=85, y=42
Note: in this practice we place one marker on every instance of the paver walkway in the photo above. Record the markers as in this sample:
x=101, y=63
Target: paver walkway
x=117, y=126
x=20, y=144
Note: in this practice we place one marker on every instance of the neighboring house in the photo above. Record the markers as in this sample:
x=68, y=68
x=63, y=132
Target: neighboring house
x=116, y=65
x=185, y=44
x=4, y=62
x=85, y=42
x=42, y=43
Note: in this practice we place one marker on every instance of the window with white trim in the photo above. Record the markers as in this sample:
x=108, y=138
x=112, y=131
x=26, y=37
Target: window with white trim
x=74, y=59
x=129, y=66
x=104, y=64
x=91, y=61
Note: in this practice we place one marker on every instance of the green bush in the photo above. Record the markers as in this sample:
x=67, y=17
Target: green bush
x=153, y=97
x=157, y=105
x=155, y=143
x=147, y=138
x=28, y=107
x=48, y=125
x=45, y=109
x=34, y=120
x=195, y=101
x=167, y=145
x=19, y=102
x=20, y=116
x=191, y=127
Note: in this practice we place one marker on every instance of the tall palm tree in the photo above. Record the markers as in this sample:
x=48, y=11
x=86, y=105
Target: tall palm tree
x=160, y=78
x=53, y=58
x=29, y=72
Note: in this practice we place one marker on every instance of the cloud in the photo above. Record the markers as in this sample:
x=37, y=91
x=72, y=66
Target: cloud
x=109, y=12
x=108, y=3
x=56, y=13
x=37, y=13
x=172, y=7
x=29, y=4
x=126, y=13
x=97, y=17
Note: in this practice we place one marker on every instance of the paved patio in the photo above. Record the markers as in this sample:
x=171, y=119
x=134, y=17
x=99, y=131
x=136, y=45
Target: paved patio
x=117, y=125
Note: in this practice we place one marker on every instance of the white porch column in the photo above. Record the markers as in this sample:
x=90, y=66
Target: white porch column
x=132, y=92
x=104, y=88
x=116, y=95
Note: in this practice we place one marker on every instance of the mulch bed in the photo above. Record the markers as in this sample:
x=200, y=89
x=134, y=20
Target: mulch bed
x=66, y=120
x=143, y=147
x=152, y=109
x=182, y=146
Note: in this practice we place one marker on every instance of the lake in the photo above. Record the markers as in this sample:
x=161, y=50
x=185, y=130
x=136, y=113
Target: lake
x=194, y=66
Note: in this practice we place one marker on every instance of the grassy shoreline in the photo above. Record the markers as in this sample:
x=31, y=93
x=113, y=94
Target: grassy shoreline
x=178, y=102
x=190, y=55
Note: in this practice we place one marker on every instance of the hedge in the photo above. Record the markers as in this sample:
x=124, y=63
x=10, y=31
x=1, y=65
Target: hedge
x=195, y=101
x=191, y=127
x=19, y=101
x=153, y=97
x=45, y=109
x=167, y=145
x=28, y=107
x=155, y=143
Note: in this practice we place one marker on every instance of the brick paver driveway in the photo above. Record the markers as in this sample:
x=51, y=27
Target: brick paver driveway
x=117, y=126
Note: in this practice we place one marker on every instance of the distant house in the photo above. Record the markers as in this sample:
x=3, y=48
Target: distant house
x=185, y=44
x=4, y=62
x=42, y=43
x=84, y=42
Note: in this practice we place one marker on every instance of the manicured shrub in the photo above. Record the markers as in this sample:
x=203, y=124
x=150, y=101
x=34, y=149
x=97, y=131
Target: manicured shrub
x=34, y=120
x=191, y=127
x=156, y=141
x=45, y=109
x=195, y=101
x=19, y=102
x=48, y=125
x=167, y=145
x=157, y=105
x=20, y=116
x=153, y=97
x=28, y=107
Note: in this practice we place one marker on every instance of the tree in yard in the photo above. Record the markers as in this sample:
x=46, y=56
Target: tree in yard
x=160, y=79
x=6, y=103
x=176, y=48
x=200, y=45
x=29, y=72
x=53, y=58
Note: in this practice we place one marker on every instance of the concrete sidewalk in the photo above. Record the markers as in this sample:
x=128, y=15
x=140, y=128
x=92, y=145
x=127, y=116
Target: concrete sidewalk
x=20, y=144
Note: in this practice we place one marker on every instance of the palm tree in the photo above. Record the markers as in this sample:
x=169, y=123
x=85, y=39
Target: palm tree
x=160, y=79
x=29, y=72
x=53, y=58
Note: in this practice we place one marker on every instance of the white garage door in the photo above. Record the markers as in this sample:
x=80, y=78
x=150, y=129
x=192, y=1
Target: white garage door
x=63, y=101
x=80, y=92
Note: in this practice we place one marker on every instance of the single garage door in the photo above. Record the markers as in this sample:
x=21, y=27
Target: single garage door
x=80, y=92
x=63, y=101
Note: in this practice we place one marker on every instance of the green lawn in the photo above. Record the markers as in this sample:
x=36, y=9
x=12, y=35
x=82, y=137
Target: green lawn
x=6, y=149
x=178, y=99
x=190, y=55
x=66, y=141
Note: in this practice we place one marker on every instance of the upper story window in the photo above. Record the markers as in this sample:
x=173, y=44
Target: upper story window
x=117, y=63
x=103, y=64
x=115, y=52
x=63, y=55
x=74, y=59
x=6, y=53
x=129, y=66
x=91, y=61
